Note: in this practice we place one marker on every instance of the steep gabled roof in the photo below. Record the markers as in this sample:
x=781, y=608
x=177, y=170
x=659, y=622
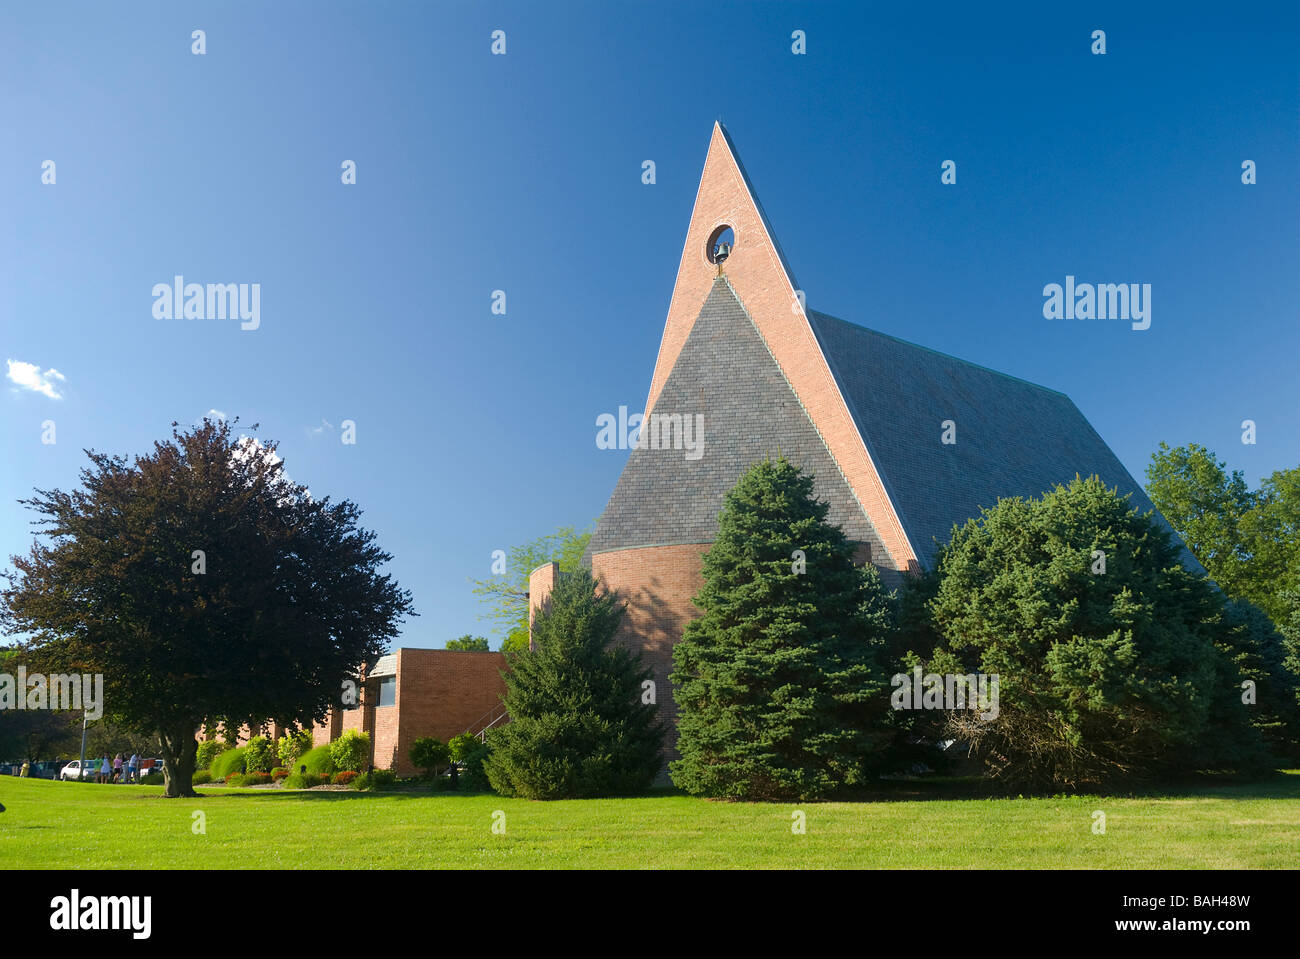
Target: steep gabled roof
x=725, y=373
x=1013, y=438
x=871, y=407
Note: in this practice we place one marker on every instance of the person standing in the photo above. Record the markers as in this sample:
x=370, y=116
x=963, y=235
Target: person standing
x=105, y=769
x=133, y=768
x=117, y=768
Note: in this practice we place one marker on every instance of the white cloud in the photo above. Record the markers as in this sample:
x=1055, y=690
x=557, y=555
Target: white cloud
x=28, y=376
x=217, y=414
x=318, y=430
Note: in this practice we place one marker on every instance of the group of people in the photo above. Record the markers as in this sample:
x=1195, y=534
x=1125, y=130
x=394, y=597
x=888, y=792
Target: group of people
x=119, y=770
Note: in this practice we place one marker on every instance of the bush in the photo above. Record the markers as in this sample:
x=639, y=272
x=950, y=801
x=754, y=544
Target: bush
x=1108, y=666
x=471, y=753
x=209, y=750
x=344, y=778
x=152, y=779
x=230, y=761
x=381, y=780
x=428, y=753
x=351, y=750
x=257, y=755
x=577, y=727
x=200, y=778
x=317, y=761
x=292, y=746
x=278, y=773
x=304, y=781
x=248, y=779
x=461, y=746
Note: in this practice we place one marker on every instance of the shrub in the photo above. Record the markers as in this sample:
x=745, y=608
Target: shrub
x=317, y=761
x=381, y=780
x=1103, y=641
x=152, y=779
x=201, y=777
x=278, y=773
x=209, y=750
x=257, y=755
x=248, y=779
x=428, y=753
x=471, y=753
x=577, y=727
x=303, y=781
x=351, y=750
x=344, y=778
x=293, y=745
x=230, y=761
x=461, y=746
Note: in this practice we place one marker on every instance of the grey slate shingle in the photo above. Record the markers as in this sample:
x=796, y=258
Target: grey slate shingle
x=1013, y=438
x=750, y=412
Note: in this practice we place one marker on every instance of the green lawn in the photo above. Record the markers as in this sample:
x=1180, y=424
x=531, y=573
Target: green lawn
x=72, y=825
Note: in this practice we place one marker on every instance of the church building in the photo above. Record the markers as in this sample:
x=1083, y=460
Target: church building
x=903, y=442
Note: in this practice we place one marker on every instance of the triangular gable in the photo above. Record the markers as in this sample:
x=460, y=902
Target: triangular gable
x=726, y=375
x=765, y=286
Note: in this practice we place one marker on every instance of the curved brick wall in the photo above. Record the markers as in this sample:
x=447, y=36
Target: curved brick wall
x=657, y=582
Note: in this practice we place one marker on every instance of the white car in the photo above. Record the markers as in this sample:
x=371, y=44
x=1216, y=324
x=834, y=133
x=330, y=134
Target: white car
x=73, y=771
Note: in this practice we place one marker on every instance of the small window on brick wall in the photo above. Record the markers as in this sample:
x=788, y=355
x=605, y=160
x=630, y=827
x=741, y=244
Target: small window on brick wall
x=388, y=691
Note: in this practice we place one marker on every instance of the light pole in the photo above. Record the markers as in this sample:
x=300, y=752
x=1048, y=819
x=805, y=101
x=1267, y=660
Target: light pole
x=81, y=766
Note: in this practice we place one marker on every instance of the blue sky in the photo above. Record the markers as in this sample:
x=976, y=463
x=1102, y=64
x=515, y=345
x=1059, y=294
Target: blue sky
x=522, y=173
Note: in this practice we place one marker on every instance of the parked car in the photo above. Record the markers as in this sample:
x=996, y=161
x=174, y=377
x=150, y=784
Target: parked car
x=73, y=770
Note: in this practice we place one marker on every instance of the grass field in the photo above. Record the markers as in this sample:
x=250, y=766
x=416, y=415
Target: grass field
x=71, y=825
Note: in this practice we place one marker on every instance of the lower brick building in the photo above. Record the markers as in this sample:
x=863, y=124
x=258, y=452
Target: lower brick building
x=413, y=693
x=407, y=695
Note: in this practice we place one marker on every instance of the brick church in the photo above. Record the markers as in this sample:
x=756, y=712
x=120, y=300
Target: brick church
x=861, y=411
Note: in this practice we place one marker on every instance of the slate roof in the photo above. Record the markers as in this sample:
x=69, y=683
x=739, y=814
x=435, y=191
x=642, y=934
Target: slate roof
x=725, y=372
x=1013, y=438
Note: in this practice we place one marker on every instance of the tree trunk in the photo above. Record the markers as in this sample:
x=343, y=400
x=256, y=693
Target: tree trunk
x=180, y=749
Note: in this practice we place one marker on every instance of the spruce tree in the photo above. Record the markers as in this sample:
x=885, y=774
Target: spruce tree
x=1115, y=663
x=779, y=686
x=578, y=727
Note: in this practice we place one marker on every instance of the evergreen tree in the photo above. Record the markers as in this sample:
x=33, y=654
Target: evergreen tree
x=1111, y=667
x=1257, y=651
x=779, y=685
x=578, y=727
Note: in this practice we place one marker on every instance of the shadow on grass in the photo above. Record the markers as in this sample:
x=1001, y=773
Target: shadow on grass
x=1280, y=785
x=341, y=794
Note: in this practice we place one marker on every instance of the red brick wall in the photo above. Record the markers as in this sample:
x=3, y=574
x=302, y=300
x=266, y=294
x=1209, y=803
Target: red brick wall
x=657, y=582
x=540, y=583
x=440, y=692
x=328, y=729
